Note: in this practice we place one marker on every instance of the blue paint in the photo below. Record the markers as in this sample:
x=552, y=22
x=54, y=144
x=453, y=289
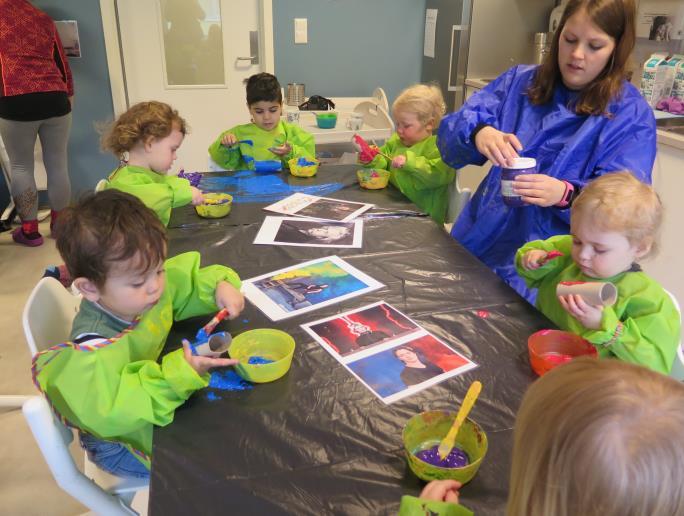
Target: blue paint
x=212, y=396
x=303, y=162
x=245, y=320
x=255, y=360
x=248, y=186
x=268, y=166
x=228, y=380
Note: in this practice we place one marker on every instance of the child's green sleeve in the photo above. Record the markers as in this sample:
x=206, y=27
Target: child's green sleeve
x=533, y=277
x=413, y=506
x=225, y=157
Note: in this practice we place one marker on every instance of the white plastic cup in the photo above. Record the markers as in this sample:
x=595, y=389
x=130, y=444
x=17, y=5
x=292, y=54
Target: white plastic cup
x=292, y=117
x=597, y=293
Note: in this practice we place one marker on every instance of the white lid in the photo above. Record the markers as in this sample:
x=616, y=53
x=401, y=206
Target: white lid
x=520, y=163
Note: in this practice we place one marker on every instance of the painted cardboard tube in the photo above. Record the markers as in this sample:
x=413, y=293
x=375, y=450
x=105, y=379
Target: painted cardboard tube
x=593, y=292
x=215, y=346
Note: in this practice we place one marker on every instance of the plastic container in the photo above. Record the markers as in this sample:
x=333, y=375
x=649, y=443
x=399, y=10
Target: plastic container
x=427, y=429
x=326, y=120
x=267, y=343
x=216, y=205
x=302, y=167
x=373, y=179
x=551, y=348
x=508, y=175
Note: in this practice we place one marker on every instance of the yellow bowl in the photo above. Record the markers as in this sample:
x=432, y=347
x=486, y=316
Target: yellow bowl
x=373, y=178
x=216, y=205
x=303, y=171
x=266, y=343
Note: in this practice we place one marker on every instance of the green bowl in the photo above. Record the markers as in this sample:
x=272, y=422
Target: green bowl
x=326, y=120
x=216, y=205
x=267, y=343
x=427, y=429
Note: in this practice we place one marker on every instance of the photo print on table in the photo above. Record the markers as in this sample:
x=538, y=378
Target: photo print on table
x=311, y=206
x=307, y=286
x=297, y=231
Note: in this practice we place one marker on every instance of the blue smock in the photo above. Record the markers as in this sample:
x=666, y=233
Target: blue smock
x=567, y=146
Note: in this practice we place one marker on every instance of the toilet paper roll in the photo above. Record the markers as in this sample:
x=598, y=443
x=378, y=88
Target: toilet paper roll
x=217, y=344
x=593, y=292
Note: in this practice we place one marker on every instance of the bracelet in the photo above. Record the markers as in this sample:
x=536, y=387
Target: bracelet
x=568, y=195
x=616, y=334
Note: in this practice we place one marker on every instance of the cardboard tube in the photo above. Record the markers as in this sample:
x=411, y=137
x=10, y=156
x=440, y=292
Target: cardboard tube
x=215, y=346
x=593, y=292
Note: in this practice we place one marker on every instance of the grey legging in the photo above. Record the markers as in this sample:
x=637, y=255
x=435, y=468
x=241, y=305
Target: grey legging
x=19, y=139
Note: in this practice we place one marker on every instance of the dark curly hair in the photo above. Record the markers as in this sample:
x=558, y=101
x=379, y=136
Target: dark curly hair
x=263, y=87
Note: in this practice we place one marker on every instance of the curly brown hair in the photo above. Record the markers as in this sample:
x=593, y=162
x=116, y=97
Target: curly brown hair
x=141, y=122
x=617, y=19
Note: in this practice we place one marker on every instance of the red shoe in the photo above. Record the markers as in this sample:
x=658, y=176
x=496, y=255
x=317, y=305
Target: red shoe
x=28, y=234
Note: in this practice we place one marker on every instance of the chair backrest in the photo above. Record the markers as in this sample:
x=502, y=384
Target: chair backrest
x=48, y=315
x=458, y=198
x=53, y=439
x=678, y=366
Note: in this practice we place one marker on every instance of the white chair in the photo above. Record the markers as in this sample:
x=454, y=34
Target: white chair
x=458, y=198
x=101, y=185
x=678, y=366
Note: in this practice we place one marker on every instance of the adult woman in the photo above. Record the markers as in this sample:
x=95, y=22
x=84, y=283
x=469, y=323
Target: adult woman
x=417, y=368
x=35, y=101
x=576, y=114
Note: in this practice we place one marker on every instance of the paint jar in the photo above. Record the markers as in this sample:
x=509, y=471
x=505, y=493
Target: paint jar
x=508, y=175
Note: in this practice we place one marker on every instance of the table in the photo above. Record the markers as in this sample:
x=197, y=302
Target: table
x=317, y=441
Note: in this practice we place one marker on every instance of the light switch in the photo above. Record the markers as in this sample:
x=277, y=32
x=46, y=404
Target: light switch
x=300, y=30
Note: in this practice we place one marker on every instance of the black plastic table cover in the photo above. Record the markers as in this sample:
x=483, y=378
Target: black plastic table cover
x=317, y=441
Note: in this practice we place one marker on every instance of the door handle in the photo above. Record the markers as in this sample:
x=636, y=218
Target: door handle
x=253, y=48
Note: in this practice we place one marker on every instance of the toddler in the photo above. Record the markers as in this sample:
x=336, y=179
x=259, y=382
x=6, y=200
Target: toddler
x=267, y=137
x=150, y=133
x=613, y=224
x=106, y=380
x=415, y=164
x=592, y=437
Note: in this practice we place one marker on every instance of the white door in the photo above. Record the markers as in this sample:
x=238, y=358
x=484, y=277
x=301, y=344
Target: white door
x=194, y=55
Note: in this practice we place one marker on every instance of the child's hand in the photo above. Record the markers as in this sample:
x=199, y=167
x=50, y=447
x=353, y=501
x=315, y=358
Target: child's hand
x=282, y=150
x=201, y=364
x=498, y=147
x=197, y=197
x=227, y=296
x=588, y=315
x=398, y=161
x=532, y=260
x=441, y=491
x=229, y=140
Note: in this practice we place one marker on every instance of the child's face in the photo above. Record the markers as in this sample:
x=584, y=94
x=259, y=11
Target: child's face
x=410, y=129
x=266, y=114
x=583, y=51
x=128, y=292
x=161, y=152
x=600, y=253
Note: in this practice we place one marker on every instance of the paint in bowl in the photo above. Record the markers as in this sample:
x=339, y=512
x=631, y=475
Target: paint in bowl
x=326, y=120
x=303, y=167
x=423, y=433
x=216, y=205
x=551, y=348
x=265, y=354
x=373, y=178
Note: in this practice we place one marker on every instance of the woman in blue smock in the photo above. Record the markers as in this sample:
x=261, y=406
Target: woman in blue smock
x=575, y=114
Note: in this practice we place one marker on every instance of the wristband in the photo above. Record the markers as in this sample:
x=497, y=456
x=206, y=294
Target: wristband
x=567, y=195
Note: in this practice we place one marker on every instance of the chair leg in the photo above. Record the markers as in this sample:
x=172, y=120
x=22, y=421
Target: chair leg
x=12, y=401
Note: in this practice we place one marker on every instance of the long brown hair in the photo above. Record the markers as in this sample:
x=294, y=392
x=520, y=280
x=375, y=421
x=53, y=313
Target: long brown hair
x=615, y=18
x=599, y=438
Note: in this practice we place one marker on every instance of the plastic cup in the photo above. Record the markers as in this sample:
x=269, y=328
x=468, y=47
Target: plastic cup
x=427, y=429
x=267, y=343
x=508, y=175
x=551, y=348
x=598, y=293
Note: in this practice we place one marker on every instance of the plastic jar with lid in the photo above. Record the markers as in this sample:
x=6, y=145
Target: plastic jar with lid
x=508, y=175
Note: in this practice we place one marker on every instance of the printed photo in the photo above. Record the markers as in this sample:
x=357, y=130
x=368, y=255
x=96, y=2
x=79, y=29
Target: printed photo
x=309, y=233
x=409, y=367
x=311, y=206
x=307, y=286
x=361, y=329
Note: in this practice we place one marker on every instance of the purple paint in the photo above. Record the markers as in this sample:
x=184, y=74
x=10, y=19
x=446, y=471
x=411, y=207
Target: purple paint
x=508, y=175
x=457, y=458
x=228, y=380
x=255, y=360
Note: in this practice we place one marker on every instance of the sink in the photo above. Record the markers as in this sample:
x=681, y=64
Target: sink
x=672, y=124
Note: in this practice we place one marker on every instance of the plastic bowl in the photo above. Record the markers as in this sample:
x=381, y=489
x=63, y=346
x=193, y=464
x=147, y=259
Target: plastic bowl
x=326, y=120
x=215, y=205
x=373, y=178
x=551, y=348
x=303, y=170
x=427, y=429
x=267, y=343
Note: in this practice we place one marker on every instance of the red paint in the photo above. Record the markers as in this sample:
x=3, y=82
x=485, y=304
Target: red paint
x=483, y=313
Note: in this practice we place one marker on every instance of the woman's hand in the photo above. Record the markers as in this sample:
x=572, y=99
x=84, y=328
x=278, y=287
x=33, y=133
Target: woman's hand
x=229, y=140
x=498, y=147
x=588, y=315
x=539, y=189
x=532, y=260
x=201, y=364
x=230, y=298
x=398, y=161
x=197, y=197
x=441, y=491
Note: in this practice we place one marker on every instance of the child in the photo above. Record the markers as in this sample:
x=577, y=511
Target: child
x=592, y=437
x=613, y=223
x=151, y=133
x=270, y=137
x=106, y=381
x=416, y=166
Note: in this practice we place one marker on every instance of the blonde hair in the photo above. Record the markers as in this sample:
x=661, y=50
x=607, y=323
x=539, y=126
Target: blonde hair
x=425, y=100
x=620, y=202
x=599, y=438
x=141, y=122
